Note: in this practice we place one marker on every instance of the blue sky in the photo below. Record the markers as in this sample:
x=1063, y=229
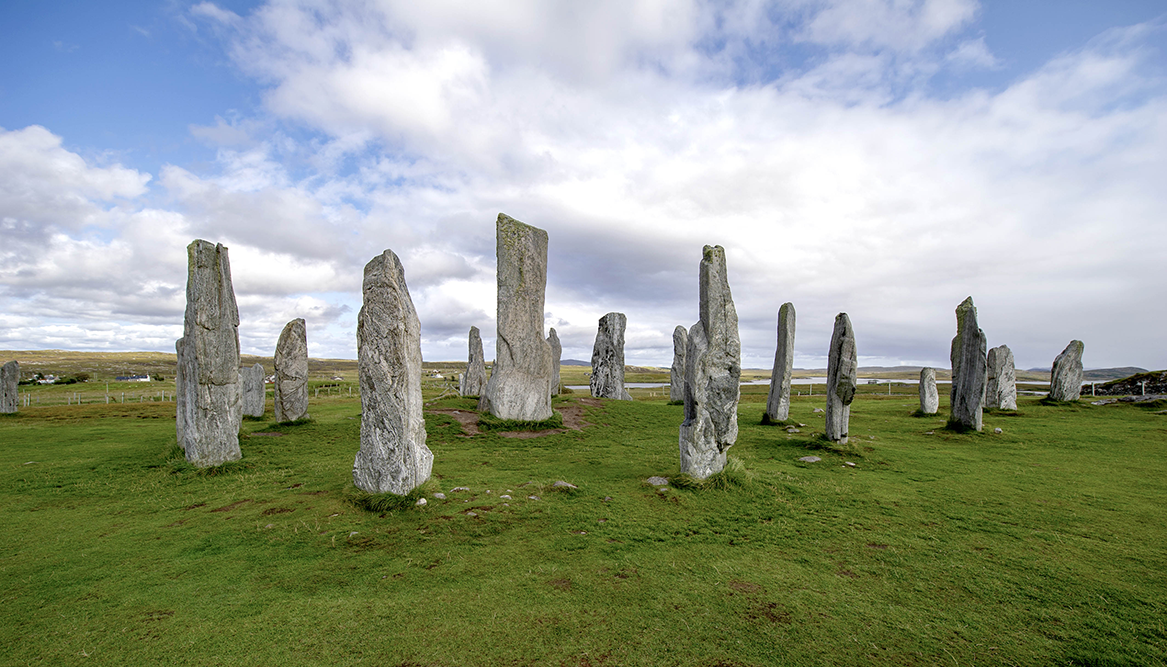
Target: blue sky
x=885, y=158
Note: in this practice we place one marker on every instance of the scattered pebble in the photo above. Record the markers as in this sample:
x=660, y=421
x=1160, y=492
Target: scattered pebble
x=505, y=496
x=334, y=514
x=471, y=514
x=580, y=532
x=810, y=459
x=849, y=464
x=510, y=491
x=270, y=525
x=420, y=502
x=997, y=430
x=817, y=410
x=488, y=490
x=791, y=429
x=871, y=437
x=607, y=498
x=800, y=425
x=560, y=484
x=929, y=432
x=28, y=463
x=352, y=533
x=440, y=496
x=662, y=489
x=506, y=504
x=532, y=497
x=459, y=488
x=603, y=521
x=656, y=481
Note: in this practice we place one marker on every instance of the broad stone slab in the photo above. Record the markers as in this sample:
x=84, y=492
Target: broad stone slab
x=211, y=338
x=842, y=376
x=1001, y=384
x=253, y=390
x=712, y=373
x=778, y=401
x=556, y=354
x=520, y=383
x=474, y=379
x=291, y=381
x=1066, y=375
x=393, y=457
x=929, y=397
x=9, y=381
x=969, y=368
x=607, y=379
x=677, y=372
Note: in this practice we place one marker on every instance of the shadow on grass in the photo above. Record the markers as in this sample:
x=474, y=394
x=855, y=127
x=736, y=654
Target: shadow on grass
x=488, y=422
x=766, y=421
x=174, y=460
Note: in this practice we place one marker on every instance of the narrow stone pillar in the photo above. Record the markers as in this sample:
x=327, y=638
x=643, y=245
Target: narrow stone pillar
x=842, y=376
x=1001, y=384
x=251, y=381
x=929, y=397
x=778, y=401
x=677, y=372
x=291, y=371
x=969, y=368
x=608, y=358
x=1065, y=383
x=556, y=354
x=9, y=382
x=474, y=380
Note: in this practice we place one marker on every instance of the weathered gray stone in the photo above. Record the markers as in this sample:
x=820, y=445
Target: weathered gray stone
x=1001, y=383
x=677, y=372
x=253, y=390
x=556, y=353
x=712, y=373
x=474, y=379
x=520, y=382
x=186, y=387
x=211, y=339
x=9, y=381
x=657, y=480
x=969, y=368
x=810, y=459
x=778, y=402
x=291, y=362
x=607, y=379
x=393, y=457
x=1065, y=382
x=929, y=397
x=842, y=376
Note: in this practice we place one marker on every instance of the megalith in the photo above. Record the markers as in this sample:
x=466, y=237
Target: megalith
x=393, y=457
x=291, y=374
x=677, y=372
x=474, y=379
x=556, y=355
x=211, y=338
x=842, y=377
x=253, y=390
x=1065, y=382
x=778, y=402
x=520, y=383
x=1001, y=382
x=969, y=368
x=608, y=358
x=186, y=389
x=712, y=373
x=929, y=397
x=9, y=381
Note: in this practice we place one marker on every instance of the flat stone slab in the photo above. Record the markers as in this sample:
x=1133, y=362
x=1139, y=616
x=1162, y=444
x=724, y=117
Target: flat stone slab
x=657, y=481
x=810, y=459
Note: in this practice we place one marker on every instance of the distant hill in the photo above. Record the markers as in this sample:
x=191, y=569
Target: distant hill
x=574, y=362
x=1103, y=374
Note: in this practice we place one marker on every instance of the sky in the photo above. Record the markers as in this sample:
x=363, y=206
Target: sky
x=883, y=158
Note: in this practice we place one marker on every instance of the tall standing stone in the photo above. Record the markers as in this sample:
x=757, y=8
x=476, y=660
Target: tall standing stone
x=1065, y=383
x=474, y=379
x=929, y=397
x=842, y=377
x=712, y=373
x=556, y=354
x=211, y=338
x=1001, y=385
x=9, y=381
x=253, y=390
x=393, y=457
x=608, y=358
x=186, y=389
x=969, y=368
x=677, y=372
x=520, y=383
x=291, y=364
x=778, y=402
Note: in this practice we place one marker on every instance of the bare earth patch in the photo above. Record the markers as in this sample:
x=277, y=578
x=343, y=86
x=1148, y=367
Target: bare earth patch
x=573, y=419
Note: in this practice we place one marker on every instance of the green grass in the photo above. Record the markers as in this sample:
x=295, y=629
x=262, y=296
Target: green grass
x=1040, y=545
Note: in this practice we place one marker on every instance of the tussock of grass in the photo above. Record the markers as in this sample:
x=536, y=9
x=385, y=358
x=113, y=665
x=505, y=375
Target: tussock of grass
x=381, y=503
x=918, y=413
x=733, y=476
x=675, y=403
x=488, y=422
x=303, y=421
x=174, y=461
x=1046, y=400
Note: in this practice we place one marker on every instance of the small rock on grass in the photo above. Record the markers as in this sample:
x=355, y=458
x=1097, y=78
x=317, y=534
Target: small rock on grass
x=505, y=497
x=471, y=514
x=440, y=496
x=532, y=497
x=564, y=485
x=459, y=488
x=848, y=464
x=997, y=430
x=810, y=459
x=818, y=410
x=656, y=480
x=420, y=502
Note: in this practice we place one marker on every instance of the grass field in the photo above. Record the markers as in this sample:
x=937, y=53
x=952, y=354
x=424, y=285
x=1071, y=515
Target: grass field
x=1040, y=545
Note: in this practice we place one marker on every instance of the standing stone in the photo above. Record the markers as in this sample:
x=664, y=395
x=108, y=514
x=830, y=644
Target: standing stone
x=474, y=380
x=253, y=390
x=520, y=383
x=1001, y=386
x=211, y=339
x=186, y=389
x=393, y=457
x=929, y=397
x=677, y=372
x=969, y=368
x=1065, y=383
x=608, y=358
x=556, y=354
x=842, y=377
x=9, y=381
x=712, y=373
x=291, y=361
x=778, y=402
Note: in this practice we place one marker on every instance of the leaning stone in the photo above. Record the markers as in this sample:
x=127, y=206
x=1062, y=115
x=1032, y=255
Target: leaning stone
x=9, y=381
x=778, y=402
x=520, y=383
x=393, y=457
x=657, y=481
x=556, y=353
x=186, y=387
x=712, y=373
x=677, y=372
x=810, y=459
x=474, y=379
x=1066, y=376
x=291, y=361
x=608, y=358
x=929, y=397
x=969, y=368
x=1001, y=385
x=253, y=390
x=842, y=375
x=211, y=336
